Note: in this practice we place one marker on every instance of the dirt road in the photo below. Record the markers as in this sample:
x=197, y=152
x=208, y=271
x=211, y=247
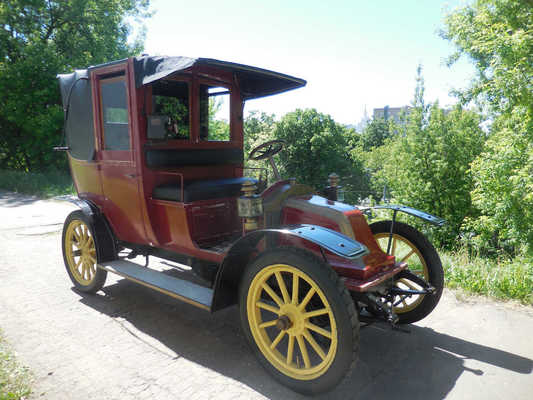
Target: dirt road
x=128, y=342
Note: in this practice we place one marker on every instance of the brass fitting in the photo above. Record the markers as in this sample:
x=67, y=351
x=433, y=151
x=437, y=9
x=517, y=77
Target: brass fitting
x=250, y=206
x=333, y=179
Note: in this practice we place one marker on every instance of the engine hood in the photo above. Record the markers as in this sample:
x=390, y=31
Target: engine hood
x=318, y=210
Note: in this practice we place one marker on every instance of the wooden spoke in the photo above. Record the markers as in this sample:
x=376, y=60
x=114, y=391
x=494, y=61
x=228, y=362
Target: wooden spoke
x=317, y=329
x=266, y=287
x=406, y=283
x=277, y=339
x=404, y=259
x=267, y=307
x=82, y=233
x=282, y=287
x=295, y=288
x=306, y=299
x=303, y=350
x=268, y=323
x=316, y=313
x=76, y=239
x=393, y=247
x=314, y=344
x=290, y=349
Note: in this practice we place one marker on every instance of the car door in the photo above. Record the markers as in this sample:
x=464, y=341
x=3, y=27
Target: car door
x=120, y=180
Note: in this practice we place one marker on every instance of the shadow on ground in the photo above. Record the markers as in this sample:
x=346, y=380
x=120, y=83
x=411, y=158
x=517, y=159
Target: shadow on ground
x=423, y=364
x=10, y=199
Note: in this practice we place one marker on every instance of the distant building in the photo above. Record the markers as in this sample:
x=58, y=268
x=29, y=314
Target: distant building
x=393, y=113
x=360, y=127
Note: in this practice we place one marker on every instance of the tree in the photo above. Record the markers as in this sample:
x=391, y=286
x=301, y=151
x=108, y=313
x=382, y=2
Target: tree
x=38, y=40
x=426, y=165
x=317, y=146
x=375, y=133
x=497, y=36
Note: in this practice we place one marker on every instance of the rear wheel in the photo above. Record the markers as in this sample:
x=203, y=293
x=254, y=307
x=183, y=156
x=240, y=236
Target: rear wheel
x=410, y=246
x=299, y=319
x=79, y=253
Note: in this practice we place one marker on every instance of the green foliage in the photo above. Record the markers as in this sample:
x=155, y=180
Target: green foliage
x=218, y=127
x=501, y=278
x=43, y=184
x=427, y=165
x=375, y=133
x=14, y=379
x=178, y=112
x=497, y=36
x=503, y=177
x=258, y=129
x=317, y=146
x=38, y=40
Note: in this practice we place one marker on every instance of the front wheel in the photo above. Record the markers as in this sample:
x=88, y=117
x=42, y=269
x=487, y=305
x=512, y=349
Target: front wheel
x=299, y=319
x=80, y=255
x=410, y=246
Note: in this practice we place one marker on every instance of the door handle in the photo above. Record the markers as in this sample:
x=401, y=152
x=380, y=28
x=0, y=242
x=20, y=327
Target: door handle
x=131, y=176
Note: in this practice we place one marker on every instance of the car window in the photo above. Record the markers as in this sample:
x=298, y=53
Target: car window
x=214, y=113
x=115, y=114
x=170, y=111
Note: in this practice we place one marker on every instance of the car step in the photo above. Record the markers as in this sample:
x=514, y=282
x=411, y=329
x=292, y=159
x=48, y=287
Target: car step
x=189, y=292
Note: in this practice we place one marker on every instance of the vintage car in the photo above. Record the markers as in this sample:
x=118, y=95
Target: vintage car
x=155, y=147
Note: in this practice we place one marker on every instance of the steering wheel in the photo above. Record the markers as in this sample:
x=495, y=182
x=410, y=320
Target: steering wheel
x=266, y=150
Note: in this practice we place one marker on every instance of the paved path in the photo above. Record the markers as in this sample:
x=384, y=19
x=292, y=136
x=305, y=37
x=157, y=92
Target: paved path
x=128, y=342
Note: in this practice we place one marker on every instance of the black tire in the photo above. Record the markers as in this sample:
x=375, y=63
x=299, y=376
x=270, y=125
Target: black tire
x=97, y=279
x=345, y=320
x=431, y=259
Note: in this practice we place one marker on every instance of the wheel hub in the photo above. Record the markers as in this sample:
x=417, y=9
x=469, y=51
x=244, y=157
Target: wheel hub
x=283, y=323
x=294, y=317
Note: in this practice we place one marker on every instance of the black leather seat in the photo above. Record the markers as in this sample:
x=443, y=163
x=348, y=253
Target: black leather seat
x=201, y=190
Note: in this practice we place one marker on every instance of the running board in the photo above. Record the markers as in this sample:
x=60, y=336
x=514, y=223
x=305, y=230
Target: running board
x=186, y=291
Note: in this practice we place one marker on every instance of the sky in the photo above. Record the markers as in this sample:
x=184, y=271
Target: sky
x=353, y=54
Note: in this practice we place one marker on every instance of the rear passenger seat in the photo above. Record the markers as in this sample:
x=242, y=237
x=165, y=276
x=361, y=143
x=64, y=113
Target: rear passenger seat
x=196, y=190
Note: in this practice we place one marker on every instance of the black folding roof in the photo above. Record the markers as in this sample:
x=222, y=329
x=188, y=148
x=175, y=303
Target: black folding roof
x=254, y=82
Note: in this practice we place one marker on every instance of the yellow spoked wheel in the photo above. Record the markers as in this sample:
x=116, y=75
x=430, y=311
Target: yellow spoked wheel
x=298, y=319
x=410, y=246
x=405, y=251
x=79, y=253
x=301, y=356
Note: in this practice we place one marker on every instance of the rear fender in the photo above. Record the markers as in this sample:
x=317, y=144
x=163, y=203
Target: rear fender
x=245, y=249
x=104, y=238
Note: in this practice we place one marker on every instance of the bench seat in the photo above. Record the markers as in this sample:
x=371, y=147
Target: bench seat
x=201, y=190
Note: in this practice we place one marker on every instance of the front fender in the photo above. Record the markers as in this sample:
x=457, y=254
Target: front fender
x=241, y=252
x=432, y=219
x=104, y=237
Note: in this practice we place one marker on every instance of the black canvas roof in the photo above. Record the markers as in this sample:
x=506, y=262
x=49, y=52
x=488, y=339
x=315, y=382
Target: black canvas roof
x=254, y=82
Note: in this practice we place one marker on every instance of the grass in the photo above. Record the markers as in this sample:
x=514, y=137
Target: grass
x=41, y=184
x=506, y=279
x=15, y=380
